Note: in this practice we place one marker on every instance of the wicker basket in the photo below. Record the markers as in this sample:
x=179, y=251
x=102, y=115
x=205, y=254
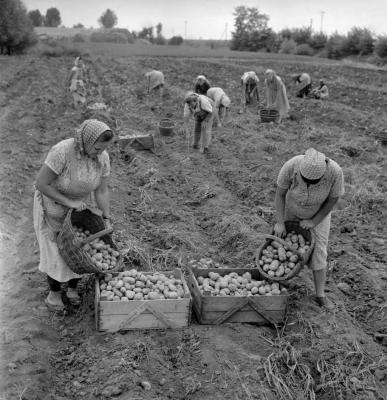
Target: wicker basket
x=166, y=126
x=77, y=259
x=268, y=115
x=290, y=226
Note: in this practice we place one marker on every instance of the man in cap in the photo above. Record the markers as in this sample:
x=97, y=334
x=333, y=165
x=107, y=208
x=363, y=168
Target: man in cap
x=308, y=187
x=221, y=101
x=249, y=86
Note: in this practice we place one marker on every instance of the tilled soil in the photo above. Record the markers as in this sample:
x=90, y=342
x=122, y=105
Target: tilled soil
x=175, y=204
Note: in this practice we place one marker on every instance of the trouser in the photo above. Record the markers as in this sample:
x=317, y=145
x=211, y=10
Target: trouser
x=249, y=92
x=207, y=134
x=55, y=285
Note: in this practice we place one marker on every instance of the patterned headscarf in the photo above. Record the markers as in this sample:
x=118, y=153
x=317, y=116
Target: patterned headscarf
x=88, y=133
x=313, y=164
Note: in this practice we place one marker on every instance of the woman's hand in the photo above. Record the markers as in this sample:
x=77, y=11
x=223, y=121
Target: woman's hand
x=279, y=229
x=307, y=224
x=78, y=205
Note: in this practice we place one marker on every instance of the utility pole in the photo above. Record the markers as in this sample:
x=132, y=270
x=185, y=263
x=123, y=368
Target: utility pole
x=226, y=30
x=322, y=20
x=311, y=25
x=185, y=29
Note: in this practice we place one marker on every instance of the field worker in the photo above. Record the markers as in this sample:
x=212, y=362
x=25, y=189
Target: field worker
x=276, y=94
x=202, y=109
x=321, y=92
x=249, y=84
x=221, y=103
x=201, y=85
x=73, y=170
x=304, y=84
x=76, y=80
x=308, y=187
x=155, y=81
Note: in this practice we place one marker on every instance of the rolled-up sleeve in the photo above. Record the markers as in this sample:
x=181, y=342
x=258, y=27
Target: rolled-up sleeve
x=337, y=189
x=205, y=105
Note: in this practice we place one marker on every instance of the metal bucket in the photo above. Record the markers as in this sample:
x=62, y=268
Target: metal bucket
x=166, y=126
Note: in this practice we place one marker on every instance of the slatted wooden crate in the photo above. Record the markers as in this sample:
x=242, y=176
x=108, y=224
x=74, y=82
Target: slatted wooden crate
x=214, y=310
x=114, y=316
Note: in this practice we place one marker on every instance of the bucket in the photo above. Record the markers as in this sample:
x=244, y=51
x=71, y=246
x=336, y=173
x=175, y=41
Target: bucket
x=166, y=126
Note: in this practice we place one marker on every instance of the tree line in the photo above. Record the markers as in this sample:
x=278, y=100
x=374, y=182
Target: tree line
x=252, y=33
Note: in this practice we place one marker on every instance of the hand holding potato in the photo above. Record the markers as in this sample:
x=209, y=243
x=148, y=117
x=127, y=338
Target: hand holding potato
x=307, y=224
x=279, y=229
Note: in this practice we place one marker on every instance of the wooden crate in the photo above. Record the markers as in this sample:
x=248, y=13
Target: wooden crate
x=214, y=310
x=113, y=316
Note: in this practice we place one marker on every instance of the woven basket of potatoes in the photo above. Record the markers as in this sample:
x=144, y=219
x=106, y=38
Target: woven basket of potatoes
x=280, y=259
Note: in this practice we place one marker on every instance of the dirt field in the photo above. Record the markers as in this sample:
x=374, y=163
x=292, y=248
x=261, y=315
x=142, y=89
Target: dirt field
x=176, y=204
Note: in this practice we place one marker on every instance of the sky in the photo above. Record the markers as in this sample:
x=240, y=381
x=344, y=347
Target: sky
x=213, y=19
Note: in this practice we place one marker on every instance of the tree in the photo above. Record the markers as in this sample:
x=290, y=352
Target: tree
x=251, y=27
x=108, y=19
x=176, y=40
x=53, y=18
x=359, y=41
x=146, y=33
x=16, y=30
x=160, y=39
x=36, y=18
x=381, y=47
x=78, y=25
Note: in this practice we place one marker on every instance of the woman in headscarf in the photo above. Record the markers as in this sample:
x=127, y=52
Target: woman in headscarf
x=74, y=171
x=155, y=81
x=221, y=103
x=249, y=85
x=308, y=187
x=276, y=94
x=321, y=92
x=201, y=108
x=76, y=80
x=304, y=84
x=201, y=85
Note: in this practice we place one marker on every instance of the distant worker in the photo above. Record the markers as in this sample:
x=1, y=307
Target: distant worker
x=155, y=81
x=201, y=108
x=76, y=80
x=321, y=92
x=221, y=103
x=249, y=83
x=201, y=85
x=304, y=84
x=276, y=96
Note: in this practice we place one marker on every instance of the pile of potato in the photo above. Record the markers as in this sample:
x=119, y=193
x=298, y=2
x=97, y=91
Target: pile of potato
x=236, y=285
x=135, y=285
x=101, y=253
x=278, y=260
x=206, y=262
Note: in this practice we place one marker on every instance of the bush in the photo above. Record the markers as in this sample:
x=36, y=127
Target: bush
x=288, y=46
x=303, y=50
x=79, y=38
x=59, y=50
x=108, y=36
x=125, y=32
x=335, y=46
x=176, y=40
x=381, y=47
x=318, y=41
x=359, y=41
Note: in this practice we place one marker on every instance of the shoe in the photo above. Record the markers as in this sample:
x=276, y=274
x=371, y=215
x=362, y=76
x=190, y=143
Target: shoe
x=54, y=302
x=323, y=301
x=195, y=146
x=73, y=297
x=205, y=150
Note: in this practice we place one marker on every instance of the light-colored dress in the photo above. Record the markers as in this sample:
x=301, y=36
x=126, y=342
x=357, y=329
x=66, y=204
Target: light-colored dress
x=77, y=85
x=276, y=96
x=303, y=201
x=78, y=177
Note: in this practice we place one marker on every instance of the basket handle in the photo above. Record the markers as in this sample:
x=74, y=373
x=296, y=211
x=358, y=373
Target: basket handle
x=97, y=235
x=277, y=239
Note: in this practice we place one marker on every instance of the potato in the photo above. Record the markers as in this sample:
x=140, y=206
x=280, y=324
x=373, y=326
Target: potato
x=274, y=265
x=123, y=298
x=138, y=296
x=130, y=294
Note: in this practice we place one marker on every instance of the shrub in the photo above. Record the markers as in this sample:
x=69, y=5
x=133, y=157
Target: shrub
x=335, y=46
x=381, y=47
x=318, y=41
x=108, y=36
x=288, y=46
x=79, y=38
x=59, y=50
x=125, y=32
x=176, y=40
x=303, y=50
x=358, y=41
